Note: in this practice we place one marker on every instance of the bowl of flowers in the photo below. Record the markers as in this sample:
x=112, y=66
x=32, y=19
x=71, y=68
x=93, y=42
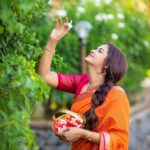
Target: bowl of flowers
x=64, y=119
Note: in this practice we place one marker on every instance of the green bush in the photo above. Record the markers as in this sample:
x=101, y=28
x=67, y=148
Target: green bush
x=20, y=91
x=24, y=30
x=20, y=86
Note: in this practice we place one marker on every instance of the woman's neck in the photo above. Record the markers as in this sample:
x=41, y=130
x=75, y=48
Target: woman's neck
x=95, y=77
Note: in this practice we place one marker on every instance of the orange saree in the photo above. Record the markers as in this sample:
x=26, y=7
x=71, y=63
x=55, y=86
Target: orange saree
x=113, y=116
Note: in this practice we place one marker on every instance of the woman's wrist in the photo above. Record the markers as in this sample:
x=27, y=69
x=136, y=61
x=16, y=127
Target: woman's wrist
x=53, y=40
x=49, y=50
x=86, y=135
x=51, y=45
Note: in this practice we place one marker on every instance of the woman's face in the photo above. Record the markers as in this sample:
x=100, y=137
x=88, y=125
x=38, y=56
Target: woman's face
x=97, y=56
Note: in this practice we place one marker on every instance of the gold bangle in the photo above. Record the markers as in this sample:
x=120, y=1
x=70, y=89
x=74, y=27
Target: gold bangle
x=49, y=49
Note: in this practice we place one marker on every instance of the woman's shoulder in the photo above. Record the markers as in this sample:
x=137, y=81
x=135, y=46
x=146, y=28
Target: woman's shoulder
x=118, y=89
x=117, y=92
x=118, y=96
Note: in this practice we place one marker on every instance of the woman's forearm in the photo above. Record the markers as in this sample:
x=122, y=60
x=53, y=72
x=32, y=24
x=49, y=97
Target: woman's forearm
x=91, y=136
x=46, y=58
x=59, y=31
x=96, y=138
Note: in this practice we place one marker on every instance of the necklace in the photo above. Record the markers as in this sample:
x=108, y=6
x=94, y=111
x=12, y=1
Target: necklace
x=90, y=87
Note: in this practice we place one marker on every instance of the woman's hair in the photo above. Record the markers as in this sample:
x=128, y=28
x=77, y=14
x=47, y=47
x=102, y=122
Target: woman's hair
x=114, y=67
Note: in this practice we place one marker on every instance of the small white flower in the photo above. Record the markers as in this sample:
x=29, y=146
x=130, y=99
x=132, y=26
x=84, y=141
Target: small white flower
x=63, y=121
x=146, y=43
x=121, y=24
x=97, y=2
x=100, y=17
x=146, y=83
x=110, y=16
x=61, y=13
x=104, y=16
x=81, y=9
x=70, y=25
x=83, y=2
x=120, y=16
x=108, y=1
x=73, y=120
x=64, y=128
x=114, y=36
x=60, y=130
x=50, y=2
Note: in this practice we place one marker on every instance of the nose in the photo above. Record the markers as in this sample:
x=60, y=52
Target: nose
x=92, y=51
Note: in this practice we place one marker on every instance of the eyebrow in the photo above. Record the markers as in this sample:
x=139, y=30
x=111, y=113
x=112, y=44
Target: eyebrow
x=100, y=48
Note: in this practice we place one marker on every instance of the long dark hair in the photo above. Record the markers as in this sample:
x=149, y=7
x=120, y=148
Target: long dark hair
x=116, y=69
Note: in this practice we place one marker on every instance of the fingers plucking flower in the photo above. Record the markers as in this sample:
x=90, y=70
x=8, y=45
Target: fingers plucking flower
x=60, y=29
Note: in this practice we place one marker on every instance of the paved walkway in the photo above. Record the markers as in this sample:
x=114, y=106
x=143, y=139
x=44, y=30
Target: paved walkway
x=140, y=131
x=48, y=141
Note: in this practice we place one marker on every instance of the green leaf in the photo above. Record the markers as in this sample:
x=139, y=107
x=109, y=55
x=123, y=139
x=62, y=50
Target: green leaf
x=1, y=29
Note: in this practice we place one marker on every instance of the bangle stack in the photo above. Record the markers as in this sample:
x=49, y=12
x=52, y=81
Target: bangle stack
x=49, y=50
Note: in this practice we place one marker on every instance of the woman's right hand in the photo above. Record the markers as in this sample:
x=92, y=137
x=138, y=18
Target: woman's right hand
x=60, y=29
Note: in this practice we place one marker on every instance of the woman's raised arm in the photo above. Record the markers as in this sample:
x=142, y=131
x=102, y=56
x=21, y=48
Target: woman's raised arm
x=44, y=68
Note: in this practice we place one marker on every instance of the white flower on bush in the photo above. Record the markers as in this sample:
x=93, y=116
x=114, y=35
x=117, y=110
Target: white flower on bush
x=70, y=25
x=146, y=43
x=120, y=15
x=61, y=13
x=83, y=2
x=80, y=9
x=50, y=2
x=97, y=2
x=100, y=17
x=121, y=24
x=110, y=16
x=114, y=36
x=108, y=1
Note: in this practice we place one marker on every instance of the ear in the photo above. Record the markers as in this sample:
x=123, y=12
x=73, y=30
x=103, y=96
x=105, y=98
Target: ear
x=104, y=70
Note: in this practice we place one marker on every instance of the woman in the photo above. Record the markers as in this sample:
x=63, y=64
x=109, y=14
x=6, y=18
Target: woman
x=104, y=104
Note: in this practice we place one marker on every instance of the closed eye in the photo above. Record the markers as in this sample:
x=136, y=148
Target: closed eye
x=100, y=50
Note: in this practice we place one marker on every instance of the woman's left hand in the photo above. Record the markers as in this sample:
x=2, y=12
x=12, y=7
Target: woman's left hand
x=72, y=134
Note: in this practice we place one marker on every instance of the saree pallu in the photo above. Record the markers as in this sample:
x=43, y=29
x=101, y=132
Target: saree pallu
x=113, y=125
x=113, y=114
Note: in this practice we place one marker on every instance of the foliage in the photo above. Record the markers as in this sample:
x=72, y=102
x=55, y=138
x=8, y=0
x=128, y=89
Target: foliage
x=24, y=29
x=20, y=91
x=20, y=86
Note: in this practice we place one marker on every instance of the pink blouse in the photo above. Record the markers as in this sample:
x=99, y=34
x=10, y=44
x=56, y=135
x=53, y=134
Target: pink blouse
x=72, y=83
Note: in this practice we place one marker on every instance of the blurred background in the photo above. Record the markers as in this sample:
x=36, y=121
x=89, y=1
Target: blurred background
x=27, y=103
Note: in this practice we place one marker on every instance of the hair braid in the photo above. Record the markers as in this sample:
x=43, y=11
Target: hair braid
x=97, y=99
x=116, y=68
